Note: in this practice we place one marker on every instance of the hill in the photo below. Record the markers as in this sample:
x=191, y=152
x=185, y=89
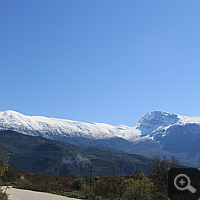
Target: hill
x=36, y=154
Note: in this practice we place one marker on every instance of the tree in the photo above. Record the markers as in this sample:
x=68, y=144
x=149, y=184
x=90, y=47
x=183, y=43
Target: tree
x=3, y=165
x=139, y=189
x=108, y=186
x=160, y=168
x=3, y=169
x=72, y=177
x=77, y=184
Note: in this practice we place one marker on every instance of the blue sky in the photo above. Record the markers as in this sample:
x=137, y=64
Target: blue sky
x=107, y=61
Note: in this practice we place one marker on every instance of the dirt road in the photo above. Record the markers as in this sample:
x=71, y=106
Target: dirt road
x=19, y=194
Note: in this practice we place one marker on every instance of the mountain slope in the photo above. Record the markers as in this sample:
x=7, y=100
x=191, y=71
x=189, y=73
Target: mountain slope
x=45, y=156
x=53, y=127
x=147, y=126
x=156, y=133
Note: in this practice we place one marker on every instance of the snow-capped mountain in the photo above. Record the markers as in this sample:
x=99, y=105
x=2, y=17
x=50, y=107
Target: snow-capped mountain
x=156, y=132
x=53, y=127
x=147, y=126
x=158, y=122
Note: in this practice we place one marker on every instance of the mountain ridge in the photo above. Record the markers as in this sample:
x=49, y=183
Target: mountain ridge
x=36, y=154
x=12, y=120
x=156, y=133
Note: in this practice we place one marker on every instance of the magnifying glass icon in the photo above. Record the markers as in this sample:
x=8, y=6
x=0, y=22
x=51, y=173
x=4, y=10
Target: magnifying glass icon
x=182, y=182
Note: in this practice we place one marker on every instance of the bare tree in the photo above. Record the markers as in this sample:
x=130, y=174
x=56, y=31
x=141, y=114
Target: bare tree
x=160, y=166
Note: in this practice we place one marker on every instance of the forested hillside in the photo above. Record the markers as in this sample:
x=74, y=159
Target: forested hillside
x=45, y=156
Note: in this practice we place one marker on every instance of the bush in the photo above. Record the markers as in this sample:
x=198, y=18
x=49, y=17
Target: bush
x=142, y=188
x=108, y=187
x=77, y=184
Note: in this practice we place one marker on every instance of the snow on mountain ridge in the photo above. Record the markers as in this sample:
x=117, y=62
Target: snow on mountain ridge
x=153, y=122
x=16, y=121
x=149, y=125
x=186, y=119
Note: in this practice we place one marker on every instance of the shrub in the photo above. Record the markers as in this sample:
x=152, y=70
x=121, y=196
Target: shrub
x=77, y=184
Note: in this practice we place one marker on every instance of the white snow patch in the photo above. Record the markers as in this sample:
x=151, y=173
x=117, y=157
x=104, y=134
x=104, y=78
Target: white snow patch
x=147, y=126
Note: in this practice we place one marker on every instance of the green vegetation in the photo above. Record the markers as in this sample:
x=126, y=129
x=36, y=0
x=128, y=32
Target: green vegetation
x=3, y=169
x=61, y=168
x=138, y=186
x=44, y=156
x=135, y=186
x=36, y=182
x=3, y=165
